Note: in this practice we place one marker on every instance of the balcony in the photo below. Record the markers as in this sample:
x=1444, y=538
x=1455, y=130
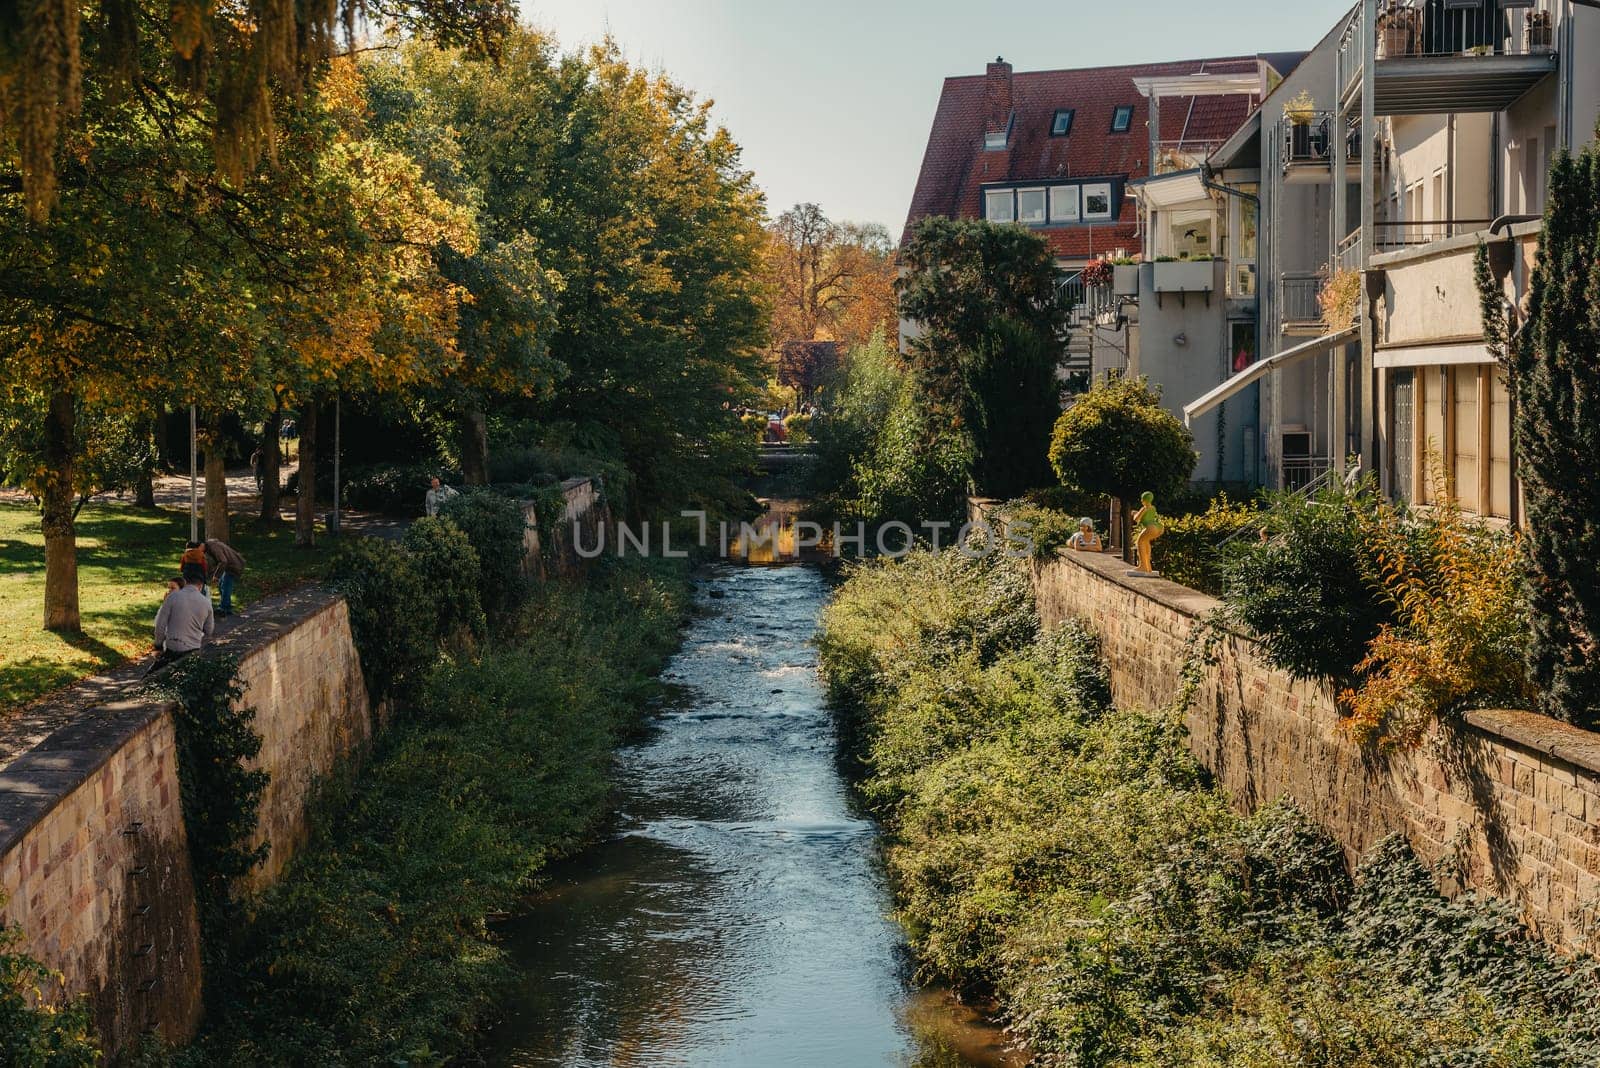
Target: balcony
x=1175, y=156
x=1441, y=56
x=1308, y=149
x=1298, y=297
x=1392, y=236
x=1348, y=255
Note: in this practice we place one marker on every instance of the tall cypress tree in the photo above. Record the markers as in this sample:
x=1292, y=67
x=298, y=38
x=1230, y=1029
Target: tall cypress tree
x=1553, y=369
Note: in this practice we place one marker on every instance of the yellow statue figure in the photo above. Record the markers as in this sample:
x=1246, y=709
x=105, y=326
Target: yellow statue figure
x=1147, y=521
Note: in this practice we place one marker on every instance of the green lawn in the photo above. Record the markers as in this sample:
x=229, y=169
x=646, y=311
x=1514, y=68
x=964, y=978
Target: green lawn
x=124, y=557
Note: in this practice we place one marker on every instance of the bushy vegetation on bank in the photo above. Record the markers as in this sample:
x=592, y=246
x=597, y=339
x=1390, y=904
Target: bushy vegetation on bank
x=1071, y=860
x=374, y=949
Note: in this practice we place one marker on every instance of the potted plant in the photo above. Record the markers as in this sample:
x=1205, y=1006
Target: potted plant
x=1097, y=274
x=1339, y=297
x=1125, y=276
x=1397, y=30
x=1298, y=112
x=1541, y=37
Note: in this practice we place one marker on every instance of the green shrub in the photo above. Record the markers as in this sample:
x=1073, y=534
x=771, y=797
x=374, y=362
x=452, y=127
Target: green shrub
x=448, y=565
x=496, y=527
x=1048, y=529
x=40, y=1027
x=375, y=949
x=1191, y=551
x=393, y=614
x=1310, y=593
x=1073, y=861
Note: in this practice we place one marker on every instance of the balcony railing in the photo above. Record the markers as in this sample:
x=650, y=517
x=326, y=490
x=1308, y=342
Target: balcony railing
x=1174, y=156
x=1347, y=256
x=1391, y=236
x=1083, y=302
x=1301, y=472
x=1297, y=294
x=1312, y=142
x=1465, y=28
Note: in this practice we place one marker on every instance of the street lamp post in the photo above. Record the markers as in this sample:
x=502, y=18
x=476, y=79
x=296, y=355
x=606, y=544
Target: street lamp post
x=194, y=485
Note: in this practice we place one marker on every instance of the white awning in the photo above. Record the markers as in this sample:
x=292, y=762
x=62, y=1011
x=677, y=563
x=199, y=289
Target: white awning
x=1261, y=368
x=1432, y=355
x=1199, y=85
x=1169, y=190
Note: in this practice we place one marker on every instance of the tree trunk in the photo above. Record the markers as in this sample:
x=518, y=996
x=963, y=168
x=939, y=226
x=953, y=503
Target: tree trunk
x=60, y=533
x=271, y=467
x=305, y=505
x=216, y=483
x=144, y=489
x=474, y=447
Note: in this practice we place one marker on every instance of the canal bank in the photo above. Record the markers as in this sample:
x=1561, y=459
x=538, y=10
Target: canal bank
x=737, y=914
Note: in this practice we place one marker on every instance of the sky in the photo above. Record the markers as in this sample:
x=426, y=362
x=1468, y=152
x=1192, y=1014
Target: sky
x=832, y=99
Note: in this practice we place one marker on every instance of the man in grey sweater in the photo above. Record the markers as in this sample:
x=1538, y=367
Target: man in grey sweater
x=184, y=621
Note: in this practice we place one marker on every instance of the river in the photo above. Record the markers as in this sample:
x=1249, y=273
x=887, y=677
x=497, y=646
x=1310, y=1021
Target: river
x=737, y=916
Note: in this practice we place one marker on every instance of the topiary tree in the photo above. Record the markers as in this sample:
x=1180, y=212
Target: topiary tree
x=1118, y=441
x=1553, y=370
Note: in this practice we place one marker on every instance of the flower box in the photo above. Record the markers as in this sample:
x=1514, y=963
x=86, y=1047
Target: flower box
x=1185, y=276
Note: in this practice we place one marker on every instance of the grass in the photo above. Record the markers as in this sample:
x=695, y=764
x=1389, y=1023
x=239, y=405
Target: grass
x=124, y=557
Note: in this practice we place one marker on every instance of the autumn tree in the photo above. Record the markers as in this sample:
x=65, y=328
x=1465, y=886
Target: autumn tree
x=829, y=281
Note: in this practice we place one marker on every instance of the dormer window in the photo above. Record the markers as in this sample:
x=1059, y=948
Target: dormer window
x=999, y=206
x=1122, y=119
x=994, y=140
x=1061, y=125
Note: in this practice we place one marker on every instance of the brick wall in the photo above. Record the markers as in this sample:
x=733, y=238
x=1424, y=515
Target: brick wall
x=93, y=856
x=587, y=510
x=1506, y=802
x=94, y=864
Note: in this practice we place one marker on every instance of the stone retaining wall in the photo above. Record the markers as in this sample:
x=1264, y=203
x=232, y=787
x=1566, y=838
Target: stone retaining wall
x=1504, y=802
x=94, y=860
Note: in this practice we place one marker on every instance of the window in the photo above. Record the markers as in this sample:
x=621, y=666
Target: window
x=1064, y=203
x=997, y=206
x=1097, y=201
x=1061, y=125
x=1464, y=435
x=1030, y=205
x=995, y=140
x=1121, y=119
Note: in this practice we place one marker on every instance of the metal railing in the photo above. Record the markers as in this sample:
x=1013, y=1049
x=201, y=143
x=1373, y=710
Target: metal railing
x=1186, y=155
x=1297, y=295
x=1392, y=235
x=1465, y=28
x=1312, y=142
x=1302, y=474
x=1081, y=300
x=1347, y=256
x=1351, y=57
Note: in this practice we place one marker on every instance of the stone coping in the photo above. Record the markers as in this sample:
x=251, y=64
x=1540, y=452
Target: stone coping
x=1526, y=730
x=59, y=743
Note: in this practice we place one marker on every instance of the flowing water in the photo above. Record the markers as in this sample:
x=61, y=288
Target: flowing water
x=738, y=915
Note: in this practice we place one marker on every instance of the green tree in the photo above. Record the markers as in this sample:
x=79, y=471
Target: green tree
x=1118, y=441
x=1552, y=366
x=986, y=359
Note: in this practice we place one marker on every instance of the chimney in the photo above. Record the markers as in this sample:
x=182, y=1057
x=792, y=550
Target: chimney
x=997, y=101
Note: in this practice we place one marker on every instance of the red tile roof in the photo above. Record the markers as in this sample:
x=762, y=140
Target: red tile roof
x=955, y=165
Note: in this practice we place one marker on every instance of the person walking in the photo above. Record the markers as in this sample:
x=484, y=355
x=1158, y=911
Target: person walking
x=184, y=621
x=227, y=566
x=259, y=475
x=438, y=495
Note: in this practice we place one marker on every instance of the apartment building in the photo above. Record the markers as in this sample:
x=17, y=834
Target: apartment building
x=1417, y=131
x=1058, y=151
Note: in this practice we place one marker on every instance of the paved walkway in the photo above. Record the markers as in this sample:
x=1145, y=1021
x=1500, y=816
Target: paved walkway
x=244, y=504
